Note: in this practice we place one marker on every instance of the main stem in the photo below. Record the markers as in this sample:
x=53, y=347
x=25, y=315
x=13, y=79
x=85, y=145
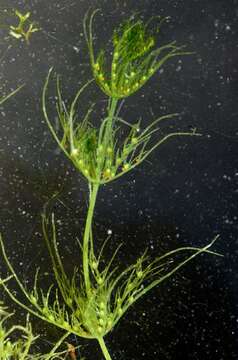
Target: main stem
x=92, y=200
x=111, y=110
x=104, y=349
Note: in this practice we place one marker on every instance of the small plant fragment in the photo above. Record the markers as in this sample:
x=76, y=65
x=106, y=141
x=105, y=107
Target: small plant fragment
x=24, y=29
x=5, y=98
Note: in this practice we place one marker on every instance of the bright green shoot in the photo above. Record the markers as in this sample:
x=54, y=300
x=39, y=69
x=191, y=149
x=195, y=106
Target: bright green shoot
x=24, y=29
x=134, y=58
x=96, y=151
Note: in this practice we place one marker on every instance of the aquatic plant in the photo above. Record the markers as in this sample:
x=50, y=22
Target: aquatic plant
x=134, y=57
x=14, y=349
x=91, y=302
x=24, y=29
x=20, y=349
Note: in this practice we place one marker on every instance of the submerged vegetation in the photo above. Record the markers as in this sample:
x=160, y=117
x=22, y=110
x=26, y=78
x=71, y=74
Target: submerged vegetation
x=25, y=28
x=20, y=348
x=134, y=57
x=92, y=301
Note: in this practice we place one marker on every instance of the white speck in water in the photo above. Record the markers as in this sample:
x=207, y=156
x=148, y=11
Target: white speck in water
x=76, y=49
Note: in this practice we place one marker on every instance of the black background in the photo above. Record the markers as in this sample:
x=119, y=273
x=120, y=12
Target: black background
x=185, y=194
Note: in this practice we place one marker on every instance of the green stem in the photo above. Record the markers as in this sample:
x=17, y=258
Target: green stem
x=111, y=110
x=92, y=200
x=4, y=98
x=111, y=113
x=104, y=349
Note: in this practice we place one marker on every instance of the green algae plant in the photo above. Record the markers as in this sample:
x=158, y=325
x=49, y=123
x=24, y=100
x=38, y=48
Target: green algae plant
x=24, y=29
x=134, y=60
x=93, y=300
x=10, y=349
x=20, y=349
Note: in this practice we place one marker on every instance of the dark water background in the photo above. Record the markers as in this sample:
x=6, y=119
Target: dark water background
x=185, y=194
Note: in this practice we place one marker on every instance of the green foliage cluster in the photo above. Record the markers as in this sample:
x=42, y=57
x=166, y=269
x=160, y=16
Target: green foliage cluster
x=134, y=59
x=20, y=348
x=97, y=152
x=25, y=28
